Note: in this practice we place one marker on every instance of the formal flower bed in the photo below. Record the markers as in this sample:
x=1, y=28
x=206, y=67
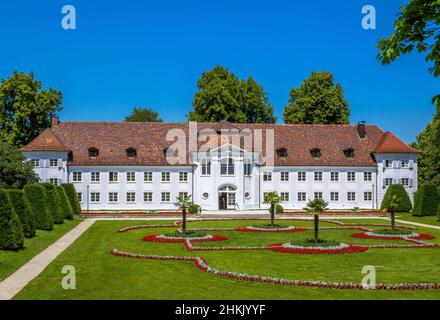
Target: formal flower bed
x=411, y=236
x=202, y=265
x=341, y=248
x=181, y=239
x=262, y=229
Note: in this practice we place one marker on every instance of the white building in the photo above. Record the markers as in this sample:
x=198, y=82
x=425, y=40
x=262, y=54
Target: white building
x=126, y=166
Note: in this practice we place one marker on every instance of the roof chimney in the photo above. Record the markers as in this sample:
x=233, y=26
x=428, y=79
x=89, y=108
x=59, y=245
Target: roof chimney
x=55, y=121
x=362, y=131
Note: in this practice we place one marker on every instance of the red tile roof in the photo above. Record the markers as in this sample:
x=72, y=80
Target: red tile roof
x=391, y=144
x=113, y=138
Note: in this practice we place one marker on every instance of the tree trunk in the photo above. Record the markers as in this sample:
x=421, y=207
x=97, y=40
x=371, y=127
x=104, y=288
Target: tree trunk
x=316, y=221
x=272, y=214
x=183, y=220
x=393, y=221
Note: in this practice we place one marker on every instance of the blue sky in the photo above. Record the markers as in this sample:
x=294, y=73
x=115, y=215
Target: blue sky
x=151, y=53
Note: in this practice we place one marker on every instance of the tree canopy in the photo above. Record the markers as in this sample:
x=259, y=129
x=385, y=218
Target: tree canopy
x=25, y=108
x=222, y=96
x=317, y=101
x=143, y=115
x=14, y=171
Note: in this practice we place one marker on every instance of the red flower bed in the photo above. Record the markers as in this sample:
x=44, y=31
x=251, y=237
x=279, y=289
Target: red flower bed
x=159, y=238
x=351, y=248
x=420, y=236
x=249, y=229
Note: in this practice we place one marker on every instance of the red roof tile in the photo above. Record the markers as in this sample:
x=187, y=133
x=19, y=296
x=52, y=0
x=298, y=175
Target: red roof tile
x=391, y=144
x=46, y=141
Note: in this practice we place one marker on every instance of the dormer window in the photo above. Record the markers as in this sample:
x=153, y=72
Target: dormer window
x=349, y=153
x=93, y=152
x=131, y=153
x=316, y=153
x=282, y=152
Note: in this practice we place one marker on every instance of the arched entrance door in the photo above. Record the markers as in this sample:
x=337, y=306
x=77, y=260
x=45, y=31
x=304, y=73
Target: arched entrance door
x=227, y=197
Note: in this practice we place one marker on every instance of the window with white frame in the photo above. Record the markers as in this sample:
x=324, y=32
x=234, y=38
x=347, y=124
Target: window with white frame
x=405, y=164
x=267, y=176
x=302, y=196
x=165, y=197
x=227, y=166
x=36, y=163
x=95, y=177
x=368, y=176
x=166, y=177
x=247, y=167
x=206, y=167
x=131, y=196
x=284, y=196
x=405, y=182
x=318, y=176
x=77, y=177
x=183, y=194
x=54, y=163
x=95, y=197
x=183, y=176
x=334, y=196
x=284, y=176
x=148, y=176
x=351, y=176
x=80, y=196
x=389, y=163
x=113, y=176
x=112, y=197
x=388, y=182
x=131, y=177
x=351, y=196
x=334, y=176
x=368, y=196
x=53, y=181
x=318, y=195
x=301, y=176
x=148, y=196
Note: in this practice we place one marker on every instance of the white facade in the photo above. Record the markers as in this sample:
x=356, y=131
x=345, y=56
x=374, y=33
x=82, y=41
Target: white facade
x=226, y=185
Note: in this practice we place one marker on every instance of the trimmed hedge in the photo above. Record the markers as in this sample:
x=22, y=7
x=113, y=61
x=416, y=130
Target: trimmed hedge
x=65, y=204
x=11, y=232
x=279, y=209
x=73, y=197
x=37, y=197
x=426, y=200
x=22, y=208
x=404, y=204
x=54, y=202
x=194, y=208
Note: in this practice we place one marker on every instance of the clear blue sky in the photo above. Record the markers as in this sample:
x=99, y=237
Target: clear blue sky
x=151, y=53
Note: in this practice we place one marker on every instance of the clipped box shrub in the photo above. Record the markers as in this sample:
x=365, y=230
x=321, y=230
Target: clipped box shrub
x=54, y=202
x=73, y=197
x=11, y=231
x=65, y=203
x=404, y=204
x=194, y=208
x=426, y=200
x=23, y=209
x=37, y=197
x=279, y=209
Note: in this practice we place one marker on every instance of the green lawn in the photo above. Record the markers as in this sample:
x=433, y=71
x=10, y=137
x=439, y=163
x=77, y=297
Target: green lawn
x=103, y=276
x=10, y=261
x=433, y=220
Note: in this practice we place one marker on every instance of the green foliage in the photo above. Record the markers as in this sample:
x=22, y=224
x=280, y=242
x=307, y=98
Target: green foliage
x=37, y=197
x=65, y=203
x=23, y=209
x=316, y=206
x=183, y=203
x=25, y=109
x=272, y=198
x=279, y=209
x=194, y=208
x=15, y=172
x=317, y=101
x=73, y=197
x=221, y=96
x=143, y=115
x=417, y=27
x=11, y=231
x=426, y=200
x=54, y=203
x=399, y=203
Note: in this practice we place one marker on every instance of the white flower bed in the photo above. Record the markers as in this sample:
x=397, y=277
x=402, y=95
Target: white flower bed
x=293, y=246
x=207, y=237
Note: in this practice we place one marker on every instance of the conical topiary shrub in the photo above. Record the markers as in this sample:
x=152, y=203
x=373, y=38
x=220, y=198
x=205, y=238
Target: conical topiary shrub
x=73, y=197
x=11, y=231
x=426, y=200
x=65, y=204
x=54, y=203
x=23, y=209
x=37, y=197
x=404, y=202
